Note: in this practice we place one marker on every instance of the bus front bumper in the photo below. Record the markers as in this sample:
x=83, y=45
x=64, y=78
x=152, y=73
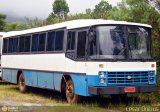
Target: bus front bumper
x=122, y=89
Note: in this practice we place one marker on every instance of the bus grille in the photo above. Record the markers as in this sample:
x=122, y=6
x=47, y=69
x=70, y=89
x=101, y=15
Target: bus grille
x=127, y=78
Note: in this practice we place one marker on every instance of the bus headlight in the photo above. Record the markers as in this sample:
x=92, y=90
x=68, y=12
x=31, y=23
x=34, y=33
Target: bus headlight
x=151, y=79
x=101, y=75
x=102, y=81
x=151, y=74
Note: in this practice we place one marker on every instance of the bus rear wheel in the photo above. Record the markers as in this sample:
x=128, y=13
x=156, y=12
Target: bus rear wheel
x=21, y=83
x=70, y=93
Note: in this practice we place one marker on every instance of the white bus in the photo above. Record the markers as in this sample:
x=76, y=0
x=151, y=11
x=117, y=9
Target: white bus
x=81, y=58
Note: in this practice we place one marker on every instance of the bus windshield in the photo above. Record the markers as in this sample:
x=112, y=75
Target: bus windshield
x=120, y=42
x=139, y=42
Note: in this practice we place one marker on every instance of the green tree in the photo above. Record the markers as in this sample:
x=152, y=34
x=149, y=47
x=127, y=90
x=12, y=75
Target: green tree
x=102, y=9
x=2, y=21
x=78, y=16
x=33, y=23
x=15, y=26
x=51, y=19
x=88, y=11
x=60, y=9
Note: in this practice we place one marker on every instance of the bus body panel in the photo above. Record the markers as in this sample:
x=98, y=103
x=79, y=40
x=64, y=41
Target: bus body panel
x=57, y=81
x=9, y=75
x=45, y=80
x=80, y=84
x=94, y=67
x=58, y=63
x=31, y=78
x=43, y=62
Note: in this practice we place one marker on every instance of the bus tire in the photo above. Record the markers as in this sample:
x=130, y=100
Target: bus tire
x=21, y=84
x=70, y=93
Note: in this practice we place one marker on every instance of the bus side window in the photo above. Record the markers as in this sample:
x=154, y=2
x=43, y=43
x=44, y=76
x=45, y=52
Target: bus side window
x=59, y=40
x=5, y=45
x=81, y=44
x=21, y=43
x=10, y=47
x=42, y=41
x=71, y=40
x=15, y=44
x=27, y=42
x=34, y=42
x=51, y=41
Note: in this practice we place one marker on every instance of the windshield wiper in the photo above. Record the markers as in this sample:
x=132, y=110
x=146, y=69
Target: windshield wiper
x=122, y=50
x=129, y=48
x=141, y=57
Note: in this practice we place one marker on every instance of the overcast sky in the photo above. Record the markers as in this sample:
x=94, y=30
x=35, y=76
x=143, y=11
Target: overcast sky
x=41, y=8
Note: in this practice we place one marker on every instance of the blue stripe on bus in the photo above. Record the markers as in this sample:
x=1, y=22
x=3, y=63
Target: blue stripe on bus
x=80, y=84
x=53, y=80
x=9, y=75
x=57, y=81
x=31, y=78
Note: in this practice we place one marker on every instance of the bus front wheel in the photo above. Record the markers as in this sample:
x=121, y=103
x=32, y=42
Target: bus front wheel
x=21, y=84
x=70, y=92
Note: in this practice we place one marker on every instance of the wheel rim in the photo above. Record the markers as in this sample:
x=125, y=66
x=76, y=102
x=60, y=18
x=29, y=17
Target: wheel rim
x=21, y=82
x=70, y=92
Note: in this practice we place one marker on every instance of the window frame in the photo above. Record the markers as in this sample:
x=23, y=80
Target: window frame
x=24, y=36
x=6, y=45
x=64, y=41
x=86, y=47
x=74, y=40
x=44, y=43
x=49, y=51
x=71, y=54
x=30, y=35
x=18, y=45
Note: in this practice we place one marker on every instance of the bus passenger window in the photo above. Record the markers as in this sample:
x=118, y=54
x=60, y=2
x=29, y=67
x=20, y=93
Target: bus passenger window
x=81, y=44
x=51, y=41
x=15, y=44
x=42, y=41
x=10, y=47
x=21, y=44
x=71, y=41
x=5, y=46
x=27, y=43
x=34, y=42
x=59, y=40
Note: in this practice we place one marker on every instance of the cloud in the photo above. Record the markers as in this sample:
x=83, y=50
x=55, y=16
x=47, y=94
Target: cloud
x=28, y=8
x=41, y=8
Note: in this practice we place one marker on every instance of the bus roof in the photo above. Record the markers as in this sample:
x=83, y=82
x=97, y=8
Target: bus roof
x=1, y=34
x=73, y=24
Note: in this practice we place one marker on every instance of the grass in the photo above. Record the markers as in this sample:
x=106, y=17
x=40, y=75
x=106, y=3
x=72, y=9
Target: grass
x=45, y=97
x=49, y=101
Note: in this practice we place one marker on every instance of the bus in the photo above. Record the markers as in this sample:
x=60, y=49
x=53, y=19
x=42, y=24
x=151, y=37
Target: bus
x=85, y=57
